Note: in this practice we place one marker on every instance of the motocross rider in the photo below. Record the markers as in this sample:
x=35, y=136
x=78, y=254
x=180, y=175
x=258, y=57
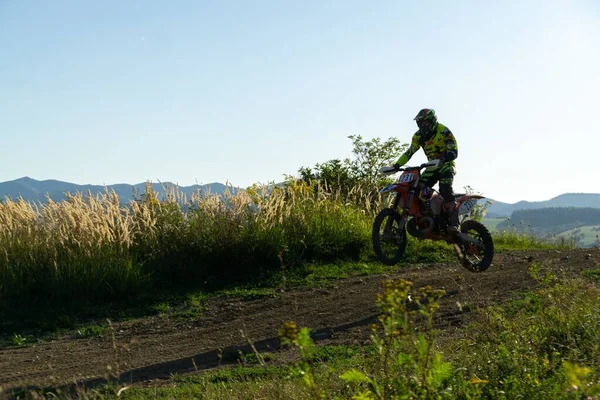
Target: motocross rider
x=438, y=143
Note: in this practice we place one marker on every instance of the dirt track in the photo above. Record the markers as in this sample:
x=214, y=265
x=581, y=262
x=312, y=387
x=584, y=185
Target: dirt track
x=155, y=348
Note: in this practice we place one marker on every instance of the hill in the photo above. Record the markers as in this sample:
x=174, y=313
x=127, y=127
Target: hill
x=553, y=219
x=32, y=190
x=577, y=224
x=585, y=200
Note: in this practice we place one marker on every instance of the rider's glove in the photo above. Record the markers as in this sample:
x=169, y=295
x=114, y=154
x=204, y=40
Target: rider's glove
x=436, y=163
x=449, y=156
x=396, y=166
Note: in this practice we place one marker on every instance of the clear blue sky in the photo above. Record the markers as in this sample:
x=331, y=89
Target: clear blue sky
x=108, y=92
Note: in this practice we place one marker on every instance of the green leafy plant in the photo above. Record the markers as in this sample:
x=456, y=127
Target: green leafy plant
x=19, y=340
x=91, y=331
x=300, y=338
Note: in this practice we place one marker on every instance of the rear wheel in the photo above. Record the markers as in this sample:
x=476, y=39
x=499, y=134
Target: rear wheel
x=389, y=240
x=477, y=256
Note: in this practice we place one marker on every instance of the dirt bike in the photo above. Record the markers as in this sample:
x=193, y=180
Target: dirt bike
x=418, y=210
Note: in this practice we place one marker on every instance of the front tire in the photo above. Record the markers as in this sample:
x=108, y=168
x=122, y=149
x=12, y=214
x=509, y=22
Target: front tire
x=389, y=240
x=477, y=258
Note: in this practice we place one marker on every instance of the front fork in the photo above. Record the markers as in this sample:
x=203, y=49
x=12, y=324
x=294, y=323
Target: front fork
x=404, y=214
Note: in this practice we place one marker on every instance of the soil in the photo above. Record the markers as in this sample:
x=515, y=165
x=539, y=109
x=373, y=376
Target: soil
x=154, y=348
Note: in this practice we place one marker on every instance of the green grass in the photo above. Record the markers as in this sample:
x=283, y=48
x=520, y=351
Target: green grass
x=585, y=236
x=20, y=340
x=91, y=331
x=492, y=223
x=593, y=275
x=515, y=240
x=542, y=347
x=274, y=380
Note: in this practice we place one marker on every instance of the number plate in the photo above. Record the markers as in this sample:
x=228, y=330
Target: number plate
x=407, y=177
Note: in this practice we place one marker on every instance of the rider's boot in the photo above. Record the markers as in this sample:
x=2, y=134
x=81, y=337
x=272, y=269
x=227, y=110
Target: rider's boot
x=452, y=213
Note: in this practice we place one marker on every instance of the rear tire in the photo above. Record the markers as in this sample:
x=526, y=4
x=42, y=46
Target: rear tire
x=389, y=241
x=477, y=258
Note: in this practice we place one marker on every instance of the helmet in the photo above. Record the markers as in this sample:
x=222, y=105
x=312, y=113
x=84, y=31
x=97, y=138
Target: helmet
x=426, y=119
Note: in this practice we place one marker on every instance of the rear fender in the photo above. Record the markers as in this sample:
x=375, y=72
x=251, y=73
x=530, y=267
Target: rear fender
x=466, y=202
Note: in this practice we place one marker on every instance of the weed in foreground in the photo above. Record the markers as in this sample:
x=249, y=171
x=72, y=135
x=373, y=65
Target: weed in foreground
x=539, y=347
x=405, y=365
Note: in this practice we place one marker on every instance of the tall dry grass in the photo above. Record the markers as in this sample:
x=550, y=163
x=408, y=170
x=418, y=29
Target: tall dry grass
x=93, y=247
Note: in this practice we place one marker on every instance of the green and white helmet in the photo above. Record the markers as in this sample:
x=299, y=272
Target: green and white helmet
x=426, y=114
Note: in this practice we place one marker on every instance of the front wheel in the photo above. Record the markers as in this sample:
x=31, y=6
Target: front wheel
x=389, y=239
x=476, y=255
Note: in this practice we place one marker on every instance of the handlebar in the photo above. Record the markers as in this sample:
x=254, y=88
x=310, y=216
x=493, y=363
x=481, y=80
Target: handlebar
x=393, y=170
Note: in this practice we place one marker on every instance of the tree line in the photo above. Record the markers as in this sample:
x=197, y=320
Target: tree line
x=551, y=219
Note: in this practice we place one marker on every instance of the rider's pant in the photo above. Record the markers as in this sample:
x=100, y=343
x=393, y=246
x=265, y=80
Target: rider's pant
x=445, y=176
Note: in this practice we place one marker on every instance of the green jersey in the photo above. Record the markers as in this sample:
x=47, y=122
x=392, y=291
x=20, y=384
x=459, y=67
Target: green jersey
x=438, y=145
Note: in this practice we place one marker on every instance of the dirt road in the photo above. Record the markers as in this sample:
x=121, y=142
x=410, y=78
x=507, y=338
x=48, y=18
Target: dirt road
x=156, y=347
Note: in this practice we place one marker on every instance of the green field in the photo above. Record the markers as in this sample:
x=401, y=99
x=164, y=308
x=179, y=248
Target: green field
x=585, y=236
x=492, y=223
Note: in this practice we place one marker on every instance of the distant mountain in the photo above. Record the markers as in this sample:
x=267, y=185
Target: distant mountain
x=500, y=209
x=32, y=190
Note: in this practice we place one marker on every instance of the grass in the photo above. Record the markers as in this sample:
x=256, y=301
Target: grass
x=492, y=223
x=20, y=340
x=192, y=308
x=88, y=258
x=516, y=240
x=593, y=275
x=94, y=252
x=91, y=331
x=585, y=236
x=274, y=380
x=544, y=347
x=93, y=258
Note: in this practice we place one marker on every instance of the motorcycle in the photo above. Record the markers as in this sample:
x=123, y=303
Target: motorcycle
x=418, y=210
